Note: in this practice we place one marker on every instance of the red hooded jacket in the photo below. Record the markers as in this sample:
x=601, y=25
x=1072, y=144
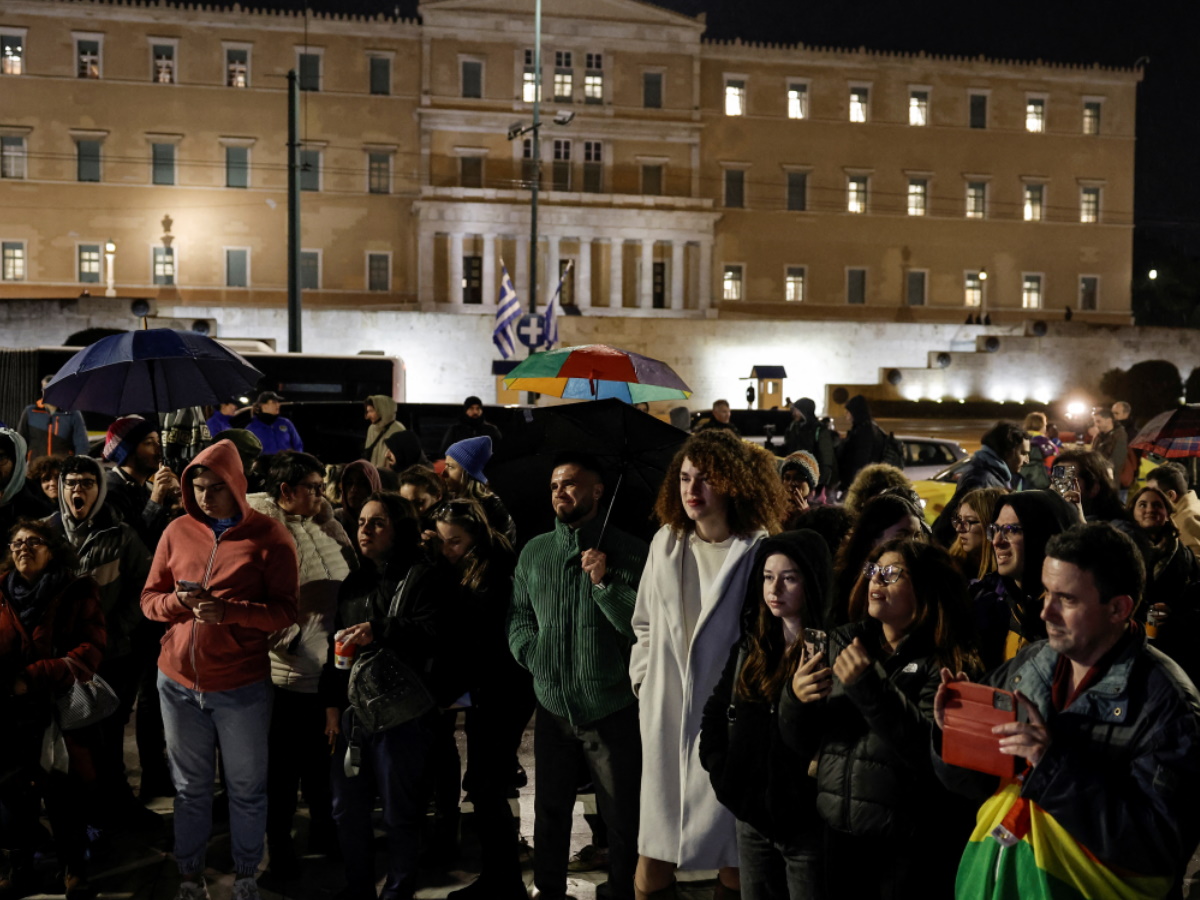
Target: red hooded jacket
x=252, y=567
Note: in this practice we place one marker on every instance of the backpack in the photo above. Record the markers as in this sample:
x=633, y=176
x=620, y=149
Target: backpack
x=893, y=450
x=384, y=691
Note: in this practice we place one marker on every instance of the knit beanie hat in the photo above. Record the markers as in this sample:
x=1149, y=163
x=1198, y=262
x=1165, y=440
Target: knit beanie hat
x=472, y=454
x=472, y=401
x=246, y=443
x=123, y=437
x=805, y=464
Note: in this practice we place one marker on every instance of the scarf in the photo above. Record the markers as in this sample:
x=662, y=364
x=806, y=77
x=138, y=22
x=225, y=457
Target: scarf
x=32, y=600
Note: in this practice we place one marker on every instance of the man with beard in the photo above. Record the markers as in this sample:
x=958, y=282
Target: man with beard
x=140, y=487
x=112, y=553
x=570, y=626
x=470, y=424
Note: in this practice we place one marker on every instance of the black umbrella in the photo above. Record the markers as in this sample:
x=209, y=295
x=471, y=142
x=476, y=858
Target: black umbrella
x=633, y=444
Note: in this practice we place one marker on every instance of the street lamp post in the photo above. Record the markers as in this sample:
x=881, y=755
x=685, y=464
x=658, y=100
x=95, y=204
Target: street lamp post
x=110, y=256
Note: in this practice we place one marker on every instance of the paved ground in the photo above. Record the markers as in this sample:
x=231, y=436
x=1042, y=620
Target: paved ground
x=139, y=866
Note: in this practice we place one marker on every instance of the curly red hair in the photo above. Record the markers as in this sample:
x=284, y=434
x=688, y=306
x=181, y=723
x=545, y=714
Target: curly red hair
x=743, y=473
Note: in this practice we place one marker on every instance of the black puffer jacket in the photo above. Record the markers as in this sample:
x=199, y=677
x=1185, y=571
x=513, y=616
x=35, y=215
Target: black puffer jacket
x=874, y=776
x=753, y=772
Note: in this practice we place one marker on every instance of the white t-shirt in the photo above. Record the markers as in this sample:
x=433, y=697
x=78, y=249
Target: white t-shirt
x=701, y=564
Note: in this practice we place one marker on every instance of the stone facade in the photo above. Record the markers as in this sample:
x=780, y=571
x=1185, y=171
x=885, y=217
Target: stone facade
x=698, y=178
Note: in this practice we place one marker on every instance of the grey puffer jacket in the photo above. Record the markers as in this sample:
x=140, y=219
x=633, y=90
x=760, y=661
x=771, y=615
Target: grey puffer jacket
x=874, y=775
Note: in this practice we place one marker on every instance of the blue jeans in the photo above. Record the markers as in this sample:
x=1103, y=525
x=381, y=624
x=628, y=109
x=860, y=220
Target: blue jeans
x=781, y=870
x=196, y=723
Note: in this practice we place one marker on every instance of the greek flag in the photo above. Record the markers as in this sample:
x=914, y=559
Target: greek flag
x=508, y=311
x=553, y=309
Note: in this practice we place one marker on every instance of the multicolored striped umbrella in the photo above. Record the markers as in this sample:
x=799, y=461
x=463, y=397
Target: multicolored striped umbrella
x=597, y=372
x=1173, y=435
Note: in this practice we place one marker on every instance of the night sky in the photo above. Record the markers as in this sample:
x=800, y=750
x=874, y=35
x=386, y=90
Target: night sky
x=1167, y=198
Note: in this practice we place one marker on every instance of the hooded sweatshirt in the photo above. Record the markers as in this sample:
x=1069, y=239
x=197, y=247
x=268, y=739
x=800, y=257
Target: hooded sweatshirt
x=348, y=518
x=378, y=432
x=15, y=502
x=251, y=566
x=754, y=774
x=1008, y=616
x=111, y=552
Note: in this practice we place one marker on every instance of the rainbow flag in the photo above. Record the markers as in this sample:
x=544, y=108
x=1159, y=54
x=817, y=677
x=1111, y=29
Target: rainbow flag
x=1037, y=859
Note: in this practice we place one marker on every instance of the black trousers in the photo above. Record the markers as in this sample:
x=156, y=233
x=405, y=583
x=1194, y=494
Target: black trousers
x=612, y=748
x=297, y=759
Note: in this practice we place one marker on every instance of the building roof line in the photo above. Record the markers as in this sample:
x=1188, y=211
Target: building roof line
x=251, y=8
x=740, y=43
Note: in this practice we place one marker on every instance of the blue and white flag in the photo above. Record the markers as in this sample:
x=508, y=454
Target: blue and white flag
x=555, y=307
x=508, y=311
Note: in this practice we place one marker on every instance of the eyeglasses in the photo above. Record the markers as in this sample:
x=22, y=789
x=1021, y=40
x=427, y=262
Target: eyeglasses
x=887, y=574
x=961, y=524
x=86, y=483
x=316, y=487
x=31, y=542
x=1008, y=531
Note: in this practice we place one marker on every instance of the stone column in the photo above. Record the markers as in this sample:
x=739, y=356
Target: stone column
x=454, y=266
x=425, y=271
x=491, y=283
x=583, y=275
x=518, y=269
x=616, y=272
x=706, y=252
x=677, y=274
x=646, y=283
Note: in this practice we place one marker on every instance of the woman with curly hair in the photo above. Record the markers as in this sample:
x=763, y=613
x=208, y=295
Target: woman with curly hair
x=972, y=551
x=720, y=498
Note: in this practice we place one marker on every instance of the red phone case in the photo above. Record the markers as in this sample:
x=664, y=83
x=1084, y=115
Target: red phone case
x=967, y=738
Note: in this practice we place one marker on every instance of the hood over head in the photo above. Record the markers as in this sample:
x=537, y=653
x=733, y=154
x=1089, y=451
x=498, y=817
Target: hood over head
x=77, y=528
x=14, y=445
x=385, y=406
x=858, y=407
x=810, y=553
x=1042, y=515
x=808, y=408
x=361, y=465
x=222, y=458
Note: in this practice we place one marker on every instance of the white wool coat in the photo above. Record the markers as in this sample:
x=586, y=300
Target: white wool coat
x=681, y=820
x=323, y=550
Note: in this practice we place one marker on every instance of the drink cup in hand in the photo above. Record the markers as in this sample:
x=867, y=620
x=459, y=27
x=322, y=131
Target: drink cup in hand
x=343, y=654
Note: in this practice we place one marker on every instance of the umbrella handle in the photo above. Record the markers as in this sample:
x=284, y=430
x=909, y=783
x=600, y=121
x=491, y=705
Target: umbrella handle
x=611, y=503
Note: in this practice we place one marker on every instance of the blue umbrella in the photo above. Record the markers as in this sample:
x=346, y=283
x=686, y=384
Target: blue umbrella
x=158, y=369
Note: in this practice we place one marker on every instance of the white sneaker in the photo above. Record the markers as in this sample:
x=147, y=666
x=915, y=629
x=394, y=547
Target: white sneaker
x=245, y=889
x=193, y=890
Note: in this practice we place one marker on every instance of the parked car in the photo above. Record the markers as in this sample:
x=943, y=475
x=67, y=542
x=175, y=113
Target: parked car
x=926, y=457
x=938, y=490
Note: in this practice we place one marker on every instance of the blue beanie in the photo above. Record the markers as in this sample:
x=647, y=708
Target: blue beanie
x=472, y=454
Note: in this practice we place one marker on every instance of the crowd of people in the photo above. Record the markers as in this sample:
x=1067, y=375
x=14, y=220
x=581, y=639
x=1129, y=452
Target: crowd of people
x=770, y=688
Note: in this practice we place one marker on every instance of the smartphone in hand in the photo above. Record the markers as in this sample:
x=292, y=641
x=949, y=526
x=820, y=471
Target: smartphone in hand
x=189, y=586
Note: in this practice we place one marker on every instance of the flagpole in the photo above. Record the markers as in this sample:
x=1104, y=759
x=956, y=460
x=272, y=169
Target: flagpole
x=537, y=157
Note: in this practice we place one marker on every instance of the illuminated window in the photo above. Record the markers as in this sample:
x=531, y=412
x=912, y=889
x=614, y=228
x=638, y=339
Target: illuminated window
x=164, y=63
x=564, y=77
x=1035, y=195
x=529, y=80
x=856, y=194
x=12, y=54
x=12, y=261
x=1031, y=291
x=1089, y=205
x=731, y=283
x=797, y=101
x=794, y=284
x=87, y=58
x=1091, y=116
x=12, y=157
x=976, y=199
x=918, y=107
x=735, y=97
x=918, y=196
x=593, y=78
x=859, y=102
x=89, y=263
x=972, y=289
x=1035, y=114
x=237, y=67
x=164, y=265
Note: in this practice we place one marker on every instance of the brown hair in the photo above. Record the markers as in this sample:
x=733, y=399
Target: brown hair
x=62, y=554
x=941, y=597
x=741, y=472
x=870, y=482
x=983, y=503
x=770, y=662
x=490, y=549
x=44, y=467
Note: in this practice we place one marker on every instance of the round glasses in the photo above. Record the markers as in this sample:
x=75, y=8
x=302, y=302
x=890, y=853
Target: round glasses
x=887, y=574
x=1008, y=532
